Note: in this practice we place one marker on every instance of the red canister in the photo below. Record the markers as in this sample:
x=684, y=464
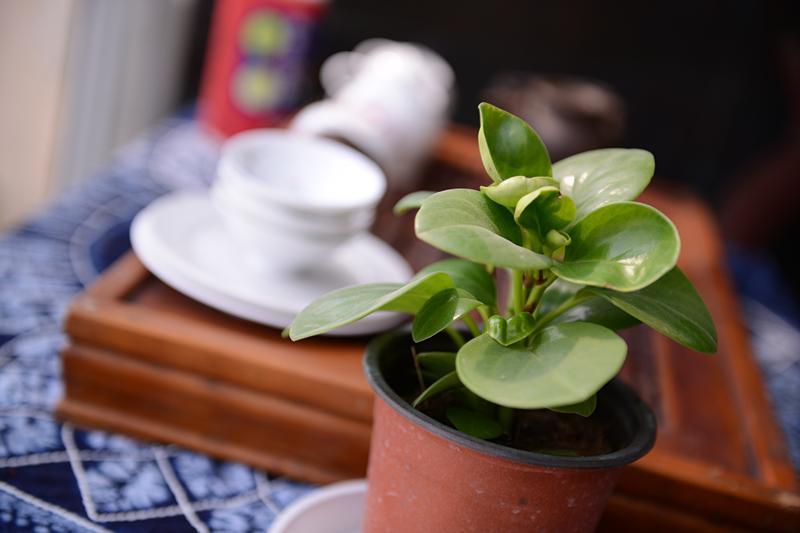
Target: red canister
x=256, y=62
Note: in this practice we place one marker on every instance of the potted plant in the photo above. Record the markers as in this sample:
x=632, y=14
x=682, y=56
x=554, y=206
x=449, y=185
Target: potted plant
x=505, y=416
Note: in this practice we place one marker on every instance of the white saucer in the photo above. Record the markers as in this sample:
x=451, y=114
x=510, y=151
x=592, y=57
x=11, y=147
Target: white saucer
x=336, y=508
x=181, y=239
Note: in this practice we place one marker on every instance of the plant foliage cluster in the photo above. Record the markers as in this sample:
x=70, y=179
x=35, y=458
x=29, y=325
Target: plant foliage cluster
x=584, y=260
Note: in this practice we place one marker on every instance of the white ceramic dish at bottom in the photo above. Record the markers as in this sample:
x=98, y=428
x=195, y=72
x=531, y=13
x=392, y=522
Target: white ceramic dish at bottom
x=181, y=239
x=336, y=508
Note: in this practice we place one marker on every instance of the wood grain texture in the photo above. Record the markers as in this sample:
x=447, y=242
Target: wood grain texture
x=630, y=514
x=156, y=324
x=198, y=412
x=720, y=462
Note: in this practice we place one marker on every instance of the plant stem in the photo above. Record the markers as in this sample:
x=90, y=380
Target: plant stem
x=536, y=293
x=473, y=327
x=505, y=415
x=456, y=336
x=517, y=291
x=561, y=309
x=418, y=370
x=484, y=311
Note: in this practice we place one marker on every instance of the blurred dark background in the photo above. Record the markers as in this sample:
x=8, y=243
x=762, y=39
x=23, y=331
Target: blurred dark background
x=704, y=82
x=711, y=87
x=700, y=79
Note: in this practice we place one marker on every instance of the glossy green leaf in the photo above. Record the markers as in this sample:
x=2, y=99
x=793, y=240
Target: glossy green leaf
x=497, y=328
x=597, y=311
x=350, y=304
x=509, y=147
x=465, y=223
x=600, y=177
x=463, y=397
x=565, y=364
x=445, y=383
x=672, y=307
x=507, y=331
x=411, y=201
x=439, y=312
x=437, y=363
x=467, y=276
x=623, y=246
x=509, y=192
x=592, y=308
x=584, y=408
x=543, y=210
x=474, y=423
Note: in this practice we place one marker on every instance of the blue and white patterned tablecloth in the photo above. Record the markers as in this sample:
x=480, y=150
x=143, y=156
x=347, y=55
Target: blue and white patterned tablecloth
x=54, y=477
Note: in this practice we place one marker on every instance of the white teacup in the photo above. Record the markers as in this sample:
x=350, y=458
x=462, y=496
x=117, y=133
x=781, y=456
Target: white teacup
x=291, y=199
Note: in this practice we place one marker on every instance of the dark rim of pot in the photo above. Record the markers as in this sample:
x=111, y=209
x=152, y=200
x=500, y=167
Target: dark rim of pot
x=634, y=409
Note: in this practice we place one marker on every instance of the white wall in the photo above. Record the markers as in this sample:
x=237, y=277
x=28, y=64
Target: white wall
x=79, y=78
x=33, y=50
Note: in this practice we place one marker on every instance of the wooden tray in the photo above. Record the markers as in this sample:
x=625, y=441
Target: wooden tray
x=147, y=361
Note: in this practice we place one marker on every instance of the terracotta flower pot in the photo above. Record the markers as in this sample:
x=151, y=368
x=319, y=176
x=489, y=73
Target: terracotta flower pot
x=427, y=477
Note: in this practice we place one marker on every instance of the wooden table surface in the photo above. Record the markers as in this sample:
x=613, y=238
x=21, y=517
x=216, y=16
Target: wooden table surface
x=719, y=463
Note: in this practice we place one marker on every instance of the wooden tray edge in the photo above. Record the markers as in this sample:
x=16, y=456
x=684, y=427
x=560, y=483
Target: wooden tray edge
x=118, y=417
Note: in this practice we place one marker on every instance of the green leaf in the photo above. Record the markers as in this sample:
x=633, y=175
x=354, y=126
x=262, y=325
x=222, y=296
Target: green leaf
x=439, y=312
x=565, y=364
x=672, y=307
x=543, y=210
x=592, y=309
x=508, y=192
x=465, y=223
x=597, y=311
x=411, y=201
x=467, y=276
x=623, y=246
x=557, y=239
x=350, y=304
x=445, y=383
x=437, y=363
x=559, y=292
x=463, y=397
x=507, y=331
x=600, y=177
x=509, y=146
x=474, y=423
x=584, y=408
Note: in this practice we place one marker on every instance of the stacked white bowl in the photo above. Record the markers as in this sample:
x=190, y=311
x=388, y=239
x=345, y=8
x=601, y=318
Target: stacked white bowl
x=291, y=199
